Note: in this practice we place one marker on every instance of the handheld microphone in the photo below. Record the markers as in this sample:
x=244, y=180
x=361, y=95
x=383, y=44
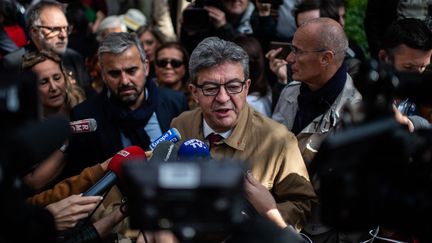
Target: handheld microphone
x=83, y=126
x=115, y=170
x=193, y=149
x=172, y=135
x=165, y=151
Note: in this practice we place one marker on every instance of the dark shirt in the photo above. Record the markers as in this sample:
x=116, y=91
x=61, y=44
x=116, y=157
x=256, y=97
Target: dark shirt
x=315, y=103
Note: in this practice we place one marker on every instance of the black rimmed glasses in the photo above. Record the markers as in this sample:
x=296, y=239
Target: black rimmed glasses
x=212, y=89
x=297, y=51
x=55, y=30
x=163, y=63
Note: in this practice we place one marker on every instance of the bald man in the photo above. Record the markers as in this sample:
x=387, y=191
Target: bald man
x=311, y=106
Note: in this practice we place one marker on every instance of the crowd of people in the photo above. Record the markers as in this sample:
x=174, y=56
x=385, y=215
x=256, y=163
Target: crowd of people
x=139, y=68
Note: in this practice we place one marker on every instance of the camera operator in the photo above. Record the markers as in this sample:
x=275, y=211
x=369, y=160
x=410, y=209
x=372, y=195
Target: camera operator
x=225, y=19
x=407, y=47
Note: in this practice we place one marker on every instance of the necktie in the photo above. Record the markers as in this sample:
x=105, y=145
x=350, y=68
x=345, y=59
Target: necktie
x=214, y=138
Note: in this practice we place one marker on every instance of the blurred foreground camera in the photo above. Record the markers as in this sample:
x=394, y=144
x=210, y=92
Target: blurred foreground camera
x=375, y=172
x=188, y=198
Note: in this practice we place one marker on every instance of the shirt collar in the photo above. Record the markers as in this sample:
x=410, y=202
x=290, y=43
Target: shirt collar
x=207, y=130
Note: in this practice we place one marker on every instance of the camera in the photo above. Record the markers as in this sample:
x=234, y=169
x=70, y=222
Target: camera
x=375, y=172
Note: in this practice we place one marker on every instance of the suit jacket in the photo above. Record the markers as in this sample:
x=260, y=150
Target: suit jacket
x=87, y=149
x=72, y=61
x=273, y=153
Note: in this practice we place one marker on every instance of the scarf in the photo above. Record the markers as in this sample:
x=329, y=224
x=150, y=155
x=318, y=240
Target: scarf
x=132, y=122
x=312, y=104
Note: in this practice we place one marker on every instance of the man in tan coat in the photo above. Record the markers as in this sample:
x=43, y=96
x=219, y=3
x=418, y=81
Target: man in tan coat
x=220, y=81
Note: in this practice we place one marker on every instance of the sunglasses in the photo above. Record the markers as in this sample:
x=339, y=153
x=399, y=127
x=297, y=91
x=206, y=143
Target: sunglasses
x=163, y=63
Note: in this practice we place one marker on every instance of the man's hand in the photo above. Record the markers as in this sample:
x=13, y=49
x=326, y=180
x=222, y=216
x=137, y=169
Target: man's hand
x=217, y=16
x=69, y=211
x=262, y=200
x=403, y=119
x=278, y=66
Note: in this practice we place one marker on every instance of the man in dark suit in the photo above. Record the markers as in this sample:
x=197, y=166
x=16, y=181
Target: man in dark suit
x=48, y=28
x=131, y=111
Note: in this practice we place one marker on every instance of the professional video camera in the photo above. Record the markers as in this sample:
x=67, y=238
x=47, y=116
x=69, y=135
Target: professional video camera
x=24, y=142
x=376, y=172
x=187, y=197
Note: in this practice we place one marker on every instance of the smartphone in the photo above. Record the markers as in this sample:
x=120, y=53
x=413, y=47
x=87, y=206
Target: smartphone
x=285, y=48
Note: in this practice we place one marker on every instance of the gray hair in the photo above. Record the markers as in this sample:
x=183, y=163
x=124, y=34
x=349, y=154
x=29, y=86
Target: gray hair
x=213, y=51
x=110, y=22
x=119, y=42
x=331, y=36
x=33, y=12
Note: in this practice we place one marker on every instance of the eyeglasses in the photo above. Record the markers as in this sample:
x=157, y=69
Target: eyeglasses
x=297, y=51
x=163, y=63
x=212, y=89
x=55, y=30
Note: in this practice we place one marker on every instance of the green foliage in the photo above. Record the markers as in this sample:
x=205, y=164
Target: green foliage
x=354, y=27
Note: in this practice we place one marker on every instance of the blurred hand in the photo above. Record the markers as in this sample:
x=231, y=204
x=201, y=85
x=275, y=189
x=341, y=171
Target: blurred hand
x=278, y=66
x=69, y=211
x=402, y=119
x=105, y=164
x=217, y=16
x=262, y=200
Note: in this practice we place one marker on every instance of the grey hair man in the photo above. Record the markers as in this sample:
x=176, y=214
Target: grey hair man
x=49, y=29
x=219, y=72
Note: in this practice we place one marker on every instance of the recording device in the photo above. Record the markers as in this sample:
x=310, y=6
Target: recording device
x=115, y=169
x=172, y=135
x=375, y=172
x=194, y=149
x=283, y=54
x=165, y=151
x=83, y=126
x=196, y=18
x=185, y=197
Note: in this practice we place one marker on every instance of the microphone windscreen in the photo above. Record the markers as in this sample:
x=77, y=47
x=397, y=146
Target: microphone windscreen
x=165, y=151
x=171, y=135
x=193, y=149
x=126, y=154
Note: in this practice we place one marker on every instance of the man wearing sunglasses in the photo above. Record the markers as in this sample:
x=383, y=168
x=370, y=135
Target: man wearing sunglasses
x=219, y=75
x=48, y=29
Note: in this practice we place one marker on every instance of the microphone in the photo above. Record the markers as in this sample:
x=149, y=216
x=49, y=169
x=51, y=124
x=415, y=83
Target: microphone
x=165, y=151
x=83, y=126
x=172, y=135
x=193, y=149
x=115, y=170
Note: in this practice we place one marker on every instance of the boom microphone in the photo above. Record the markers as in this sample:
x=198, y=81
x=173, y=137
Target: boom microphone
x=172, y=135
x=193, y=149
x=83, y=126
x=115, y=170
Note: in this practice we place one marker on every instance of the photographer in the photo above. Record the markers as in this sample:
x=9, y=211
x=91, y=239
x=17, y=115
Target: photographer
x=225, y=19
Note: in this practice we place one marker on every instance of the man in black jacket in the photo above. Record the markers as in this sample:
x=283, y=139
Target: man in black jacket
x=48, y=29
x=130, y=111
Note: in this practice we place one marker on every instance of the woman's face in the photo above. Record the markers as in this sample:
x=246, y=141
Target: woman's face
x=169, y=67
x=150, y=43
x=52, y=85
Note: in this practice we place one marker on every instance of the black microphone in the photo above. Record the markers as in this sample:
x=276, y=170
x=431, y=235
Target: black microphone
x=115, y=170
x=164, y=151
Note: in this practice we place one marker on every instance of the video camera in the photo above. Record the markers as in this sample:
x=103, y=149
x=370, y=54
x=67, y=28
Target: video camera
x=375, y=172
x=187, y=197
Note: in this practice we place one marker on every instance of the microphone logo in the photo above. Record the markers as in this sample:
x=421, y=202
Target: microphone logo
x=195, y=143
x=123, y=153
